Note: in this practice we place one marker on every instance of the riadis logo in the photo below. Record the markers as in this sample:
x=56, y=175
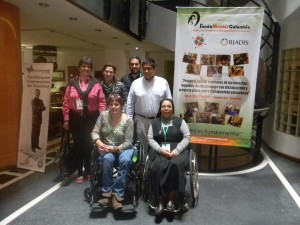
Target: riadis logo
x=225, y=42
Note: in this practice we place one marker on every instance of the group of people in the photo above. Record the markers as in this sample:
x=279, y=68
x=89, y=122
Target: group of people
x=104, y=111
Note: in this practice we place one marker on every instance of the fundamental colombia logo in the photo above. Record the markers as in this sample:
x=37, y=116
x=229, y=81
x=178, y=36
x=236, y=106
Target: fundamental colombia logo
x=199, y=41
x=194, y=18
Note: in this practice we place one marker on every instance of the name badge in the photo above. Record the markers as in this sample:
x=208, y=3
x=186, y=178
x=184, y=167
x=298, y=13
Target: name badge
x=79, y=103
x=166, y=146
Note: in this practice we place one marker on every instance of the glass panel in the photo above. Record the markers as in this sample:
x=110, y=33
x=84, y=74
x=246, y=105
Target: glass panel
x=288, y=93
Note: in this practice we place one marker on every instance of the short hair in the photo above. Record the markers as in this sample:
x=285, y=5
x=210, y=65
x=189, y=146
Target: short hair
x=115, y=97
x=149, y=61
x=114, y=68
x=135, y=57
x=85, y=60
x=161, y=102
x=109, y=65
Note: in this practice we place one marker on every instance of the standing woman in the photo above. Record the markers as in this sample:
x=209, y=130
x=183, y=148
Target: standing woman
x=113, y=134
x=169, y=138
x=83, y=102
x=110, y=83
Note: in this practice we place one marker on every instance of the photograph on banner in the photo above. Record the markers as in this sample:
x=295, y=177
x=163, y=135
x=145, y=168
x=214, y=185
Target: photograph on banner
x=216, y=63
x=33, y=137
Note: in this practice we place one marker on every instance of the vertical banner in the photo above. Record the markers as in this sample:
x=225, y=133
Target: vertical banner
x=33, y=138
x=216, y=62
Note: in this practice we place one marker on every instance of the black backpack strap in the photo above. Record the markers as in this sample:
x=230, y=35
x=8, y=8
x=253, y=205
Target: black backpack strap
x=83, y=94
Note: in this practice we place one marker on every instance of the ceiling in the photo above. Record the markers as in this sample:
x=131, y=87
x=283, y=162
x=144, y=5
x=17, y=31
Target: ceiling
x=52, y=26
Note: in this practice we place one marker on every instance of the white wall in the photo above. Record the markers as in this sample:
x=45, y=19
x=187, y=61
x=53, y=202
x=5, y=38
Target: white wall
x=283, y=143
x=282, y=9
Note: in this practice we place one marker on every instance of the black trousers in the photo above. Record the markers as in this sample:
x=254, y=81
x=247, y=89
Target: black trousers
x=35, y=135
x=81, y=129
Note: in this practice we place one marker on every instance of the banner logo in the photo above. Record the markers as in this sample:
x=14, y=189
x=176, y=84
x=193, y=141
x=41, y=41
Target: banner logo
x=199, y=41
x=194, y=19
x=225, y=41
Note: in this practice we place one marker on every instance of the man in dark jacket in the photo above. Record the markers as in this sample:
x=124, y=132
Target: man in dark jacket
x=135, y=71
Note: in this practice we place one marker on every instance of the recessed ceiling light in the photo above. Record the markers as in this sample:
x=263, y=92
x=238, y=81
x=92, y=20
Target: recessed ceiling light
x=43, y=4
x=136, y=48
x=73, y=18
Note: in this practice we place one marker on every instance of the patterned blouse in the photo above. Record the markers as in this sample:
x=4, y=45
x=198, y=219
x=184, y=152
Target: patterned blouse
x=120, y=136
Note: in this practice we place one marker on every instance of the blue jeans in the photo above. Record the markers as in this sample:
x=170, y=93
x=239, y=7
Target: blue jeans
x=123, y=160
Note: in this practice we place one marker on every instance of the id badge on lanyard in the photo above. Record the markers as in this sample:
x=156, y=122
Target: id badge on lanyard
x=79, y=104
x=166, y=146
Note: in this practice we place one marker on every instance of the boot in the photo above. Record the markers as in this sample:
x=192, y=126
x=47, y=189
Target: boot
x=106, y=199
x=117, y=202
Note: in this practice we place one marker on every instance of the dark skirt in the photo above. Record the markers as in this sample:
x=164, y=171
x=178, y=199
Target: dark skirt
x=168, y=175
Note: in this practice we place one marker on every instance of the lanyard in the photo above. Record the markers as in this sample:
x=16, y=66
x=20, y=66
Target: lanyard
x=165, y=130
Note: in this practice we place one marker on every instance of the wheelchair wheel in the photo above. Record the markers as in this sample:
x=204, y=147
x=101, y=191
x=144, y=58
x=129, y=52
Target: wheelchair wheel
x=146, y=182
x=88, y=195
x=194, y=178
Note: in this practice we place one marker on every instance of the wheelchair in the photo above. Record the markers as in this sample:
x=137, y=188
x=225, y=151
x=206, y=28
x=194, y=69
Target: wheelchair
x=191, y=173
x=134, y=188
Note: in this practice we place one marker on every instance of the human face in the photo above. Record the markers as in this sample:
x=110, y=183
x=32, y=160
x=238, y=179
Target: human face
x=85, y=70
x=134, y=66
x=108, y=74
x=115, y=108
x=37, y=93
x=148, y=71
x=166, y=109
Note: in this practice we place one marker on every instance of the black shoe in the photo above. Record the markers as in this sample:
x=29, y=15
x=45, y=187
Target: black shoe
x=170, y=207
x=184, y=207
x=159, y=209
x=39, y=148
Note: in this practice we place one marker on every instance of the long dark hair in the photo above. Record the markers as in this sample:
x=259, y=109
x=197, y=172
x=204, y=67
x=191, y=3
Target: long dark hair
x=165, y=99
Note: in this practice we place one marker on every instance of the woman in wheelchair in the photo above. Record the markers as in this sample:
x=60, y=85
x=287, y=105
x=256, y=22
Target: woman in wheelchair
x=113, y=133
x=168, y=138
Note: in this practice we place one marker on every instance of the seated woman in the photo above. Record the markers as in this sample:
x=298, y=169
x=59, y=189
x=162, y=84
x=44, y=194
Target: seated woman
x=113, y=134
x=168, y=138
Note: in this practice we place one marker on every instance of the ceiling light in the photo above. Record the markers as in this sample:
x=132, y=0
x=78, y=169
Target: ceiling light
x=136, y=48
x=43, y=4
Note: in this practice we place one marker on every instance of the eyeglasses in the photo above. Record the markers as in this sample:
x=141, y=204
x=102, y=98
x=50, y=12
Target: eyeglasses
x=166, y=107
x=85, y=67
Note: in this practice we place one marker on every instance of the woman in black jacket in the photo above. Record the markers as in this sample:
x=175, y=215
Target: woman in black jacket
x=169, y=138
x=110, y=83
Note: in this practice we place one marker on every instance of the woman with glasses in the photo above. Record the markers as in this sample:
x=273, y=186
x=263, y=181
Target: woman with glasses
x=82, y=104
x=169, y=138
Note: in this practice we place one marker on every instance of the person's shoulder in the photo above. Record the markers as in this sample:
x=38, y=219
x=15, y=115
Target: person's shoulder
x=137, y=81
x=104, y=113
x=124, y=77
x=127, y=118
x=160, y=78
x=120, y=83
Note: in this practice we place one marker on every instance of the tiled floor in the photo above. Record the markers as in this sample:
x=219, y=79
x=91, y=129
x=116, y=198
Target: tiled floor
x=267, y=194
